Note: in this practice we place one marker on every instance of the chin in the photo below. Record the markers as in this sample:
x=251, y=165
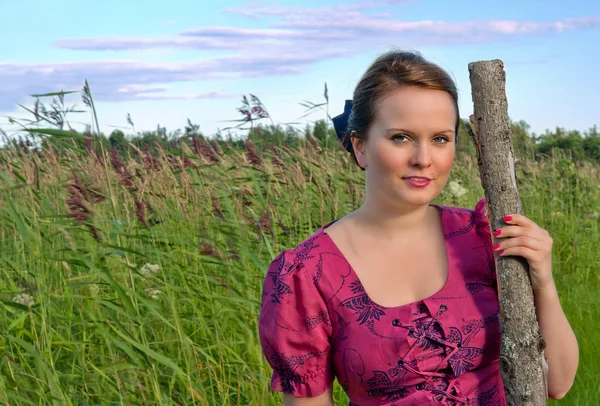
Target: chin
x=418, y=197
x=416, y=201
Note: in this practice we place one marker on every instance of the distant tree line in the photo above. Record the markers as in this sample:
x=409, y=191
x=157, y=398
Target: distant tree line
x=253, y=114
x=572, y=143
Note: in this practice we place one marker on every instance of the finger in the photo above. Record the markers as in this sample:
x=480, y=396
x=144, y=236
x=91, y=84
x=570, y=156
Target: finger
x=523, y=241
x=517, y=231
x=524, y=252
x=519, y=219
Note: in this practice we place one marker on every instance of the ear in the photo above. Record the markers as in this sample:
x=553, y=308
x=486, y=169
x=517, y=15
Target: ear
x=359, y=147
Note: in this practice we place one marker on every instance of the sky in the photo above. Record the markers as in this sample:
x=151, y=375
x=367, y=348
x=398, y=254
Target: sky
x=164, y=62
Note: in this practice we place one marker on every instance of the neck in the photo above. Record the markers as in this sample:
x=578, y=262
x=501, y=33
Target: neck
x=393, y=222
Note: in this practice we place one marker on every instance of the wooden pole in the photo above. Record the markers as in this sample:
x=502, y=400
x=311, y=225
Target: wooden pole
x=522, y=363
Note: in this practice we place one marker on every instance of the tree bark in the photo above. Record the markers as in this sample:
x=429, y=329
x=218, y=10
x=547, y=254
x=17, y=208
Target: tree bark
x=522, y=363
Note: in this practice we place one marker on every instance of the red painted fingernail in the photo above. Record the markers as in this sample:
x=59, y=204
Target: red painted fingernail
x=496, y=246
x=507, y=218
x=500, y=252
x=497, y=233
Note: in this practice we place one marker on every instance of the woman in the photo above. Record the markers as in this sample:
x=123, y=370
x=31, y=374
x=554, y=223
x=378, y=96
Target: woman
x=398, y=300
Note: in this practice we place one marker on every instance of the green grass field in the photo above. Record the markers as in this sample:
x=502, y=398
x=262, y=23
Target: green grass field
x=148, y=292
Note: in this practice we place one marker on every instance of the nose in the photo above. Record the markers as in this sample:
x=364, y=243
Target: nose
x=421, y=156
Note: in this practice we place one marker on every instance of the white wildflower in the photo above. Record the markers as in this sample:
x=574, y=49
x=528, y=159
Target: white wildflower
x=149, y=269
x=455, y=189
x=153, y=293
x=94, y=288
x=24, y=299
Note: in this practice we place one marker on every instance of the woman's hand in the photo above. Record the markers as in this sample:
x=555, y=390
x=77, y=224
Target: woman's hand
x=526, y=239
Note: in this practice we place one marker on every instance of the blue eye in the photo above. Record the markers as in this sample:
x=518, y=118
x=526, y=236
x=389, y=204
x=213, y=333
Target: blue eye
x=444, y=140
x=397, y=137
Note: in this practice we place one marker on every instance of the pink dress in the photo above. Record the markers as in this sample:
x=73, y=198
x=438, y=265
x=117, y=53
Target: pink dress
x=317, y=323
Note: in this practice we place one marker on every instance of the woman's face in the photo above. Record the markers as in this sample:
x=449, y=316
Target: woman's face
x=410, y=147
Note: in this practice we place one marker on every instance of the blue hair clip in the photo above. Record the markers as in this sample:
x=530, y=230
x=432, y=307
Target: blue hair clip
x=340, y=123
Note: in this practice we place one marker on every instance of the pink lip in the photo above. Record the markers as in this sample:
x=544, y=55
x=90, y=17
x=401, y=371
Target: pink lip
x=418, y=182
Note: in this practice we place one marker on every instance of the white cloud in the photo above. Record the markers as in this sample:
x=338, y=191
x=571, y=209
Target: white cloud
x=121, y=80
x=139, y=89
x=186, y=96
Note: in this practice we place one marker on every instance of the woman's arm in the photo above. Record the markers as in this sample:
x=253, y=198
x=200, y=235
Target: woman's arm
x=299, y=353
x=325, y=399
x=562, y=351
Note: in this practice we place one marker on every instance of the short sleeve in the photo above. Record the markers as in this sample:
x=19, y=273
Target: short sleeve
x=295, y=328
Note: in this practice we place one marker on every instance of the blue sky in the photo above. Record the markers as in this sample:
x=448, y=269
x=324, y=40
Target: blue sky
x=166, y=61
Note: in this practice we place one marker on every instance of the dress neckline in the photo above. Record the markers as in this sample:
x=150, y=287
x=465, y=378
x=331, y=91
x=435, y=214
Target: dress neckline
x=450, y=268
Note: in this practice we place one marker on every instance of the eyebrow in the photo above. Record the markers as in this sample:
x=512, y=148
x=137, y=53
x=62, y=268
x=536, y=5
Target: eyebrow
x=450, y=131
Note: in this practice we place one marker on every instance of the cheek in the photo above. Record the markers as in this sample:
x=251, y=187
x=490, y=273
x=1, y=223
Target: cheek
x=390, y=158
x=446, y=160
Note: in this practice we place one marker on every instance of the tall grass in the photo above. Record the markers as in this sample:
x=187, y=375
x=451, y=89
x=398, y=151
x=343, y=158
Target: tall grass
x=140, y=283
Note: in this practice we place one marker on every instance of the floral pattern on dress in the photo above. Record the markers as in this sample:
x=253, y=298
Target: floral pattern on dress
x=363, y=307
x=317, y=323
x=380, y=385
x=285, y=368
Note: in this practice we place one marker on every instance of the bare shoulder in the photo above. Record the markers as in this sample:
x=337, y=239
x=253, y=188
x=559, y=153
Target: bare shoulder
x=341, y=229
x=343, y=224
